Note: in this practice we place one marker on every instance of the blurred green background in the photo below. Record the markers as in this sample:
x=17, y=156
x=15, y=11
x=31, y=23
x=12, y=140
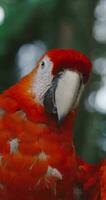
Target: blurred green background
x=30, y=27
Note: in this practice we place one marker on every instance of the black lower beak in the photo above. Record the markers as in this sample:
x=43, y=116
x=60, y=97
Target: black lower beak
x=49, y=97
x=49, y=100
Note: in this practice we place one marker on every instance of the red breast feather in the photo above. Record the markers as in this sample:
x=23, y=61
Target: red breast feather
x=35, y=162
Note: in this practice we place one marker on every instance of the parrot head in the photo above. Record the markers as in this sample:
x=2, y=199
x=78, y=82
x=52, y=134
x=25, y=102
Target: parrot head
x=60, y=78
x=54, y=87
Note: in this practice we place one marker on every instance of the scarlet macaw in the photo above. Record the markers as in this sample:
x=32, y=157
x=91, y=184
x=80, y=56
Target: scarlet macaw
x=37, y=155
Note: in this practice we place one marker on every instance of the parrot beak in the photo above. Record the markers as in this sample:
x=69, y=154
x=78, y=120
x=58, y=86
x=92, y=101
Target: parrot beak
x=64, y=94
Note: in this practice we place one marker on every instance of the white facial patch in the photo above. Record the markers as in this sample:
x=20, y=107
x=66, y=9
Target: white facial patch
x=43, y=79
x=67, y=92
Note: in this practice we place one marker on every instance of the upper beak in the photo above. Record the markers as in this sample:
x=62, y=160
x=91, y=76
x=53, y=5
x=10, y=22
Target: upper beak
x=64, y=93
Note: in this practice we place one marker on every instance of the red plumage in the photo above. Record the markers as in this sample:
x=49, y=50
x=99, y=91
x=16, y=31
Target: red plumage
x=88, y=177
x=71, y=59
x=94, y=183
x=37, y=156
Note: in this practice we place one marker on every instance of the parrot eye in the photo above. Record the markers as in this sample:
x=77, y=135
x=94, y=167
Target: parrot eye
x=42, y=64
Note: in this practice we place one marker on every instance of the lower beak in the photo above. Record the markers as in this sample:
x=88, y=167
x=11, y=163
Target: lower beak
x=49, y=97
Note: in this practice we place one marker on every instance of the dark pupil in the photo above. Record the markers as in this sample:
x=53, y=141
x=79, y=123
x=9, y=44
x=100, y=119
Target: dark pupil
x=42, y=64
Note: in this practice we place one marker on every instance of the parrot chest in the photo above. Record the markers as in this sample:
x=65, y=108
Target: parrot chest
x=36, y=159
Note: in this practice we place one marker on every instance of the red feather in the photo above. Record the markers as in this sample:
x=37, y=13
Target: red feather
x=72, y=59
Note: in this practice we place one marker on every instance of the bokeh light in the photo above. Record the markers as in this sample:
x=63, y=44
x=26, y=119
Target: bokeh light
x=100, y=66
x=90, y=101
x=100, y=100
x=28, y=55
x=99, y=30
x=2, y=15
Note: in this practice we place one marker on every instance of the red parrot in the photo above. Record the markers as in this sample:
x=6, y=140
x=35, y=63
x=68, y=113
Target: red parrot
x=37, y=155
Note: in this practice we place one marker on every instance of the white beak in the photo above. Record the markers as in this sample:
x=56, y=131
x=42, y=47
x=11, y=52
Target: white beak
x=67, y=93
